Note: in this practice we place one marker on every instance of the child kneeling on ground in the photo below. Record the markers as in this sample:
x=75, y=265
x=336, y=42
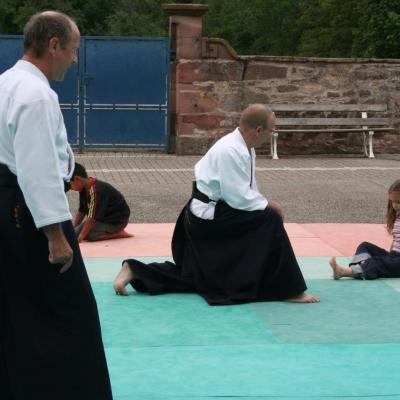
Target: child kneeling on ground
x=105, y=208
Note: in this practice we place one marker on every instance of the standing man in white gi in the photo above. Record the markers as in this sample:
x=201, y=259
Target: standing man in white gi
x=229, y=243
x=50, y=339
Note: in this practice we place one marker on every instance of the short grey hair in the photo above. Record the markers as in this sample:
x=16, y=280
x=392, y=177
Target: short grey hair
x=43, y=26
x=256, y=115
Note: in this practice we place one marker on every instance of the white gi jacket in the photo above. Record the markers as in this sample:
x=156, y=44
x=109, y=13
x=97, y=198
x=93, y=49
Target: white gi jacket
x=227, y=172
x=33, y=142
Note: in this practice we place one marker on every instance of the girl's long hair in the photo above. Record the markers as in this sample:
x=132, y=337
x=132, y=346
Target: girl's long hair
x=391, y=213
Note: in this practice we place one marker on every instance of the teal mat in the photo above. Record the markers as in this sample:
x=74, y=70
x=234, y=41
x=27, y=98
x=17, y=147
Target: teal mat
x=165, y=397
x=351, y=311
x=256, y=370
x=175, y=347
x=175, y=320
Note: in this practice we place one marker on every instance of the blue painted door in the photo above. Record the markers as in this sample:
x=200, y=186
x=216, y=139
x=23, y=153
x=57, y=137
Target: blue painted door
x=68, y=96
x=125, y=92
x=11, y=50
x=117, y=96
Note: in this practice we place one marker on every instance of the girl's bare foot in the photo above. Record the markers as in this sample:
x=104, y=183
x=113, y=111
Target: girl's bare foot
x=304, y=298
x=123, y=278
x=339, y=271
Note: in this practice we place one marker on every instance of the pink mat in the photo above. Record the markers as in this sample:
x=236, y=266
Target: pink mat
x=307, y=240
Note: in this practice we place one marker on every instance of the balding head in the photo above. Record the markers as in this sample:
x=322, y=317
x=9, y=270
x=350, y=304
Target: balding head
x=257, y=115
x=256, y=123
x=43, y=26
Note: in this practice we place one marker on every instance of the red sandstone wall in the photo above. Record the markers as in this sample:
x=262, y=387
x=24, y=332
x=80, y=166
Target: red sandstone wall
x=211, y=84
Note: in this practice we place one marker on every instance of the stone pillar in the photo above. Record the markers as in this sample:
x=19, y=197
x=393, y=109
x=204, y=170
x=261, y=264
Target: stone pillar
x=185, y=31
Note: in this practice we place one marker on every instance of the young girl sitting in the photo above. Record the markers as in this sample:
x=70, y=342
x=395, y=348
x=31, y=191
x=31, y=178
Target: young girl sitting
x=370, y=261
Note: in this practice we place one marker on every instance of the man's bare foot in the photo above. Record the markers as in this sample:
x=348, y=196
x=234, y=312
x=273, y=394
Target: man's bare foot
x=123, y=278
x=304, y=298
x=339, y=271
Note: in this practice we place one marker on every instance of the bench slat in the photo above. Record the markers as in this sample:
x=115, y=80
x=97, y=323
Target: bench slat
x=322, y=130
x=332, y=121
x=328, y=107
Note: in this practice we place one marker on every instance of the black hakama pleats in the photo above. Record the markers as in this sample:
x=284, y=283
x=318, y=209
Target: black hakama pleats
x=238, y=257
x=50, y=339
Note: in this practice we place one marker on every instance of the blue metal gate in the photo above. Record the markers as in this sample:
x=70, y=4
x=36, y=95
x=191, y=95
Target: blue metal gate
x=117, y=96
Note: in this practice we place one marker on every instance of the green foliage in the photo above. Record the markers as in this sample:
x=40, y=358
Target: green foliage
x=317, y=28
x=329, y=27
x=256, y=26
x=379, y=30
x=7, y=15
x=138, y=18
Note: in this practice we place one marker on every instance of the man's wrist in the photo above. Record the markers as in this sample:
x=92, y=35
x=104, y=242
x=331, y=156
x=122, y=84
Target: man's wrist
x=53, y=231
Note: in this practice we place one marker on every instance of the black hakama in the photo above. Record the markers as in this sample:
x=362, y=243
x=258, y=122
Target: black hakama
x=50, y=339
x=238, y=257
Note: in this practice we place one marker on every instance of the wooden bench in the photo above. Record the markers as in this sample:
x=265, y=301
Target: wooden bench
x=347, y=118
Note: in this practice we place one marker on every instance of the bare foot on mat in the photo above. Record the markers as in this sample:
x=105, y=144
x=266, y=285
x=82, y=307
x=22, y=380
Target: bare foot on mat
x=339, y=271
x=304, y=298
x=123, y=278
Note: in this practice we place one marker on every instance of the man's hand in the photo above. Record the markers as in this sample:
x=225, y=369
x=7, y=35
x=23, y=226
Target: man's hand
x=60, y=251
x=276, y=206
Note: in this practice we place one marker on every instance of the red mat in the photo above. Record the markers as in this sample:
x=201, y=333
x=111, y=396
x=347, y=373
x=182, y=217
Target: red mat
x=307, y=240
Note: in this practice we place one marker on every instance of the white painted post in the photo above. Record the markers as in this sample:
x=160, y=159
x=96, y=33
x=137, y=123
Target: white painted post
x=364, y=116
x=371, y=151
x=274, y=145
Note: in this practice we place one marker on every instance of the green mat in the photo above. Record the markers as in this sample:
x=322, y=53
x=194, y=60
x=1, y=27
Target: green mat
x=256, y=370
x=174, y=320
x=350, y=311
x=175, y=347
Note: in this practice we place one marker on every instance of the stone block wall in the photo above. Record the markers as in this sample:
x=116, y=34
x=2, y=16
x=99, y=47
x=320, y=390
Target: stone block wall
x=212, y=92
x=211, y=84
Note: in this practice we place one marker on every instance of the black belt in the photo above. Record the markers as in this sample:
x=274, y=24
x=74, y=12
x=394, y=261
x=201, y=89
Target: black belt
x=7, y=178
x=196, y=194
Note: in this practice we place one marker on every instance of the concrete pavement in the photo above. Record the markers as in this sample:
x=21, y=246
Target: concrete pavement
x=311, y=190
